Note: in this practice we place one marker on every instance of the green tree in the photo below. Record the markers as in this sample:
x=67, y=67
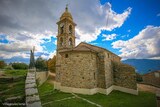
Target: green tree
x=17, y=65
x=52, y=64
x=139, y=77
x=41, y=64
x=2, y=64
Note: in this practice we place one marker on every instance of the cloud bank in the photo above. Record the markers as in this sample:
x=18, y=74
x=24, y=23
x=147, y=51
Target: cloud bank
x=28, y=23
x=144, y=45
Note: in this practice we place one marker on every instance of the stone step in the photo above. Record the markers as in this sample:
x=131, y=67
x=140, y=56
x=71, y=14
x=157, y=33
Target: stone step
x=31, y=91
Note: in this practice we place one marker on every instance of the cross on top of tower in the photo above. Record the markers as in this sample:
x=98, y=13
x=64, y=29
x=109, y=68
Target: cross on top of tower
x=66, y=7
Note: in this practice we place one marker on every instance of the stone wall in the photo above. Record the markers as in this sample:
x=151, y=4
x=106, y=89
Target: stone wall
x=58, y=66
x=101, y=71
x=41, y=76
x=31, y=91
x=151, y=79
x=124, y=75
x=79, y=70
x=108, y=71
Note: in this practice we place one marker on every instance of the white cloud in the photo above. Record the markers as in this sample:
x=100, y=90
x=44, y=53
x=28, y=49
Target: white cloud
x=109, y=37
x=52, y=54
x=55, y=42
x=129, y=30
x=8, y=55
x=102, y=18
x=27, y=22
x=158, y=14
x=144, y=45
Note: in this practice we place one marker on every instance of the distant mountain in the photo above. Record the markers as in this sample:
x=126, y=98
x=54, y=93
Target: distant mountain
x=16, y=59
x=143, y=66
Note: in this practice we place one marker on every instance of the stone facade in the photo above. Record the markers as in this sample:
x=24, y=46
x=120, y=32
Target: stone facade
x=152, y=78
x=86, y=68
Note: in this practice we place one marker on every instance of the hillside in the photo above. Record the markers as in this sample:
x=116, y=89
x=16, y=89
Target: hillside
x=143, y=66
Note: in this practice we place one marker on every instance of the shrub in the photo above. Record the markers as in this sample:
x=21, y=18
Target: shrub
x=41, y=64
x=2, y=64
x=19, y=66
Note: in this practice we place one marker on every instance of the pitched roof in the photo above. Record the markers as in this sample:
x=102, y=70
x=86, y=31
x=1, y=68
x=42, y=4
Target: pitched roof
x=88, y=47
x=94, y=48
x=158, y=71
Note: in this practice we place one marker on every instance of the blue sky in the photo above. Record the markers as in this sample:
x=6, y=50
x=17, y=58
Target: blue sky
x=129, y=28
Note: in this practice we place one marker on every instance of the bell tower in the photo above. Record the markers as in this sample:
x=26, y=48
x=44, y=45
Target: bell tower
x=65, y=39
x=66, y=31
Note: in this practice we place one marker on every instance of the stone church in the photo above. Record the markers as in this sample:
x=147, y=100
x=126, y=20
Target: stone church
x=88, y=69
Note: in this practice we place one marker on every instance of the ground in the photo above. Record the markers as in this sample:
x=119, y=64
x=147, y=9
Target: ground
x=50, y=97
x=12, y=89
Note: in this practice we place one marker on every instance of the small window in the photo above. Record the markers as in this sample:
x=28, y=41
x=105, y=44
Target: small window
x=62, y=29
x=156, y=74
x=61, y=42
x=108, y=55
x=66, y=55
x=70, y=29
x=70, y=41
x=94, y=75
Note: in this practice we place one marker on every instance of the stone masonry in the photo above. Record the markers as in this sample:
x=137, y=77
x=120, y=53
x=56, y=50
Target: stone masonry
x=87, y=67
x=32, y=96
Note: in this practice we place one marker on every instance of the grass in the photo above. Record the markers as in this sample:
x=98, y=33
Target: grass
x=15, y=72
x=45, y=88
x=114, y=99
x=70, y=103
x=120, y=99
x=13, y=88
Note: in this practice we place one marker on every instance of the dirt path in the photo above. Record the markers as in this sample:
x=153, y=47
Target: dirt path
x=149, y=88
x=51, y=78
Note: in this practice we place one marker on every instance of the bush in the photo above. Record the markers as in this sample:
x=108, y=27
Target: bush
x=41, y=64
x=2, y=64
x=19, y=66
x=8, y=67
x=52, y=64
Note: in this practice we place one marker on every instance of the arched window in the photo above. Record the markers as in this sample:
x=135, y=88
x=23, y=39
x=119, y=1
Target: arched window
x=62, y=28
x=108, y=55
x=70, y=29
x=61, y=41
x=66, y=55
x=70, y=41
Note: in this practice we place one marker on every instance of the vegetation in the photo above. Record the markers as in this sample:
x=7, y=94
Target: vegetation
x=2, y=64
x=15, y=72
x=50, y=97
x=17, y=65
x=52, y=64
x=120, y=99
x=13, y=88
x=139, y=77
x=41, y=64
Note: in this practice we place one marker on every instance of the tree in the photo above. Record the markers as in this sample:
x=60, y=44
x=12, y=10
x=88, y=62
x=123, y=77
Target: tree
x=41, y=64
x=17, y=65
x=52, y=64
x=2, y=64
x=139, y=77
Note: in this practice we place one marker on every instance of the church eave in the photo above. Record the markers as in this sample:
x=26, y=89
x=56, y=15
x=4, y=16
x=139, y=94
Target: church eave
x=63, y=20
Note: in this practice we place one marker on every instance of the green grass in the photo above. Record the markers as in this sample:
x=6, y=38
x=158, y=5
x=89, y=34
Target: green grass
x=45, y=88
x=120, y=99
x=15, y=72
x=114, y=99
x=13, y=88
x=70, y=103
